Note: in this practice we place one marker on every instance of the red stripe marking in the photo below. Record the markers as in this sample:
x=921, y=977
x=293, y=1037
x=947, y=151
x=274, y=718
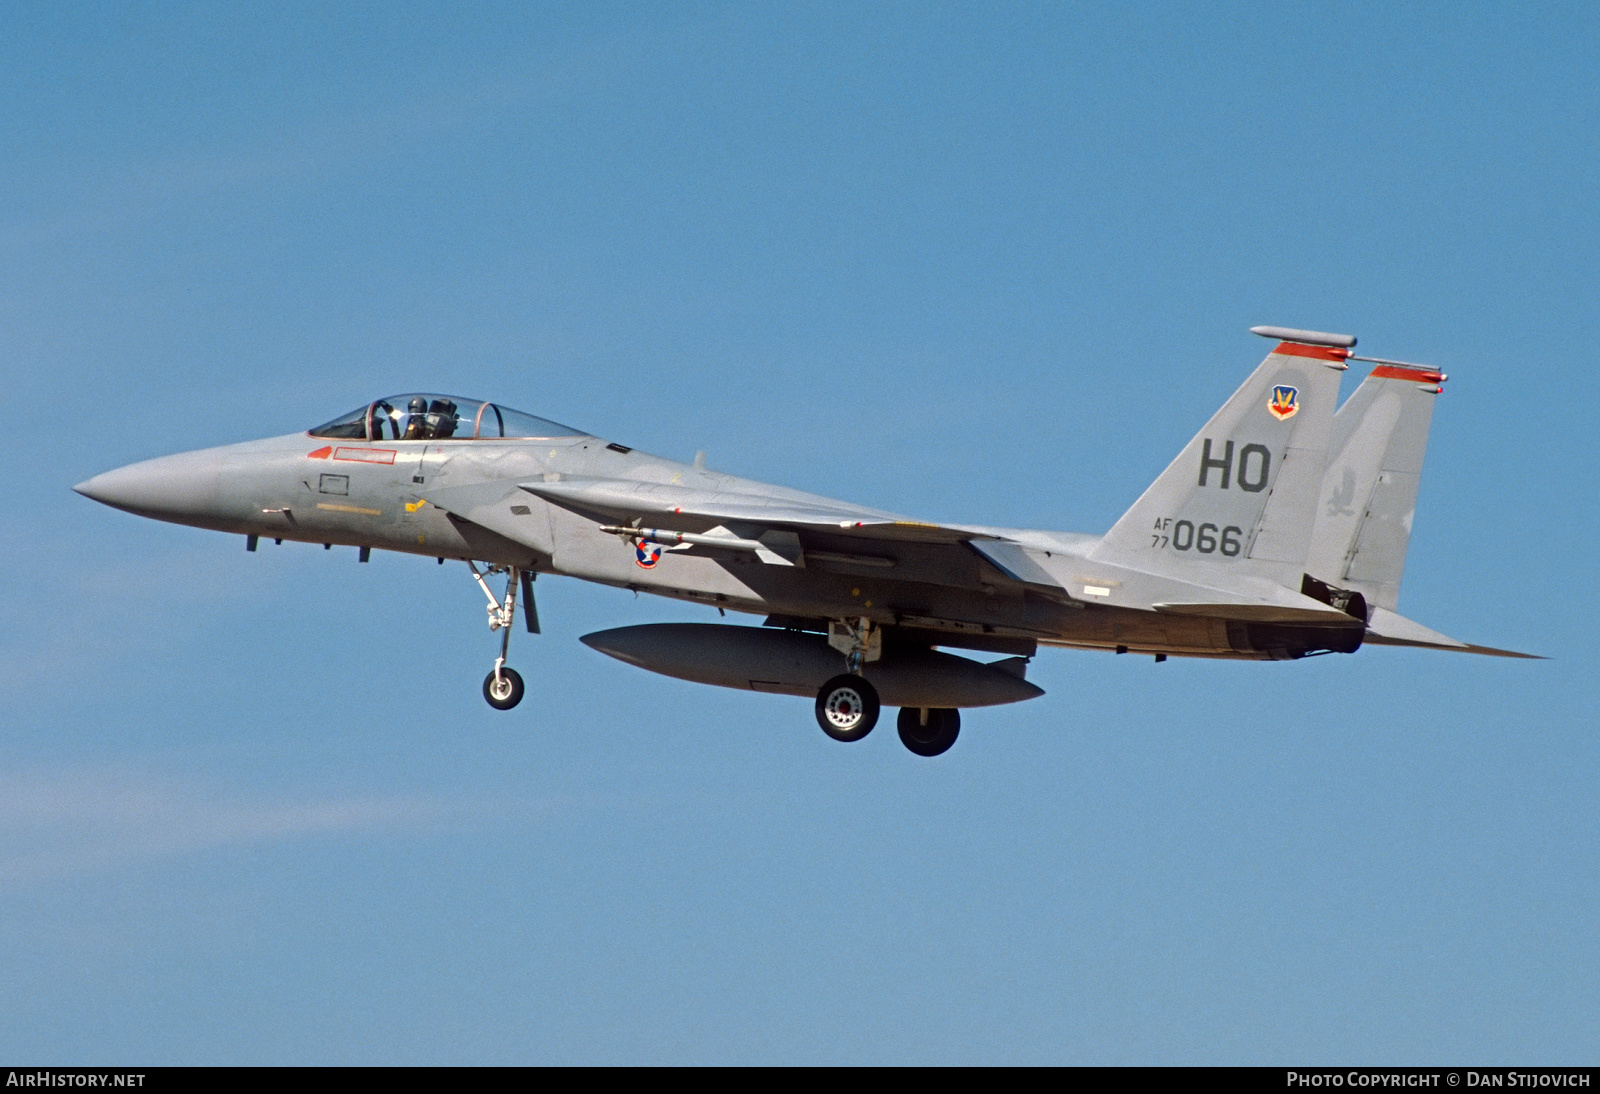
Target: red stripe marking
x=1321, y=353
x=1419, y=375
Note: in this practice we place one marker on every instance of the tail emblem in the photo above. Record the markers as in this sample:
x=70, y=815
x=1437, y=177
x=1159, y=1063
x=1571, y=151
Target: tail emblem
x=1285, y=402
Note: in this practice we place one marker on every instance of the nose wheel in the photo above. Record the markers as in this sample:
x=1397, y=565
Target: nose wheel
x=502, y=688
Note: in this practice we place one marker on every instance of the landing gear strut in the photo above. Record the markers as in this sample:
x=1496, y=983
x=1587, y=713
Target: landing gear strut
x=502, y=688
x=847, y=706
x=860, y=640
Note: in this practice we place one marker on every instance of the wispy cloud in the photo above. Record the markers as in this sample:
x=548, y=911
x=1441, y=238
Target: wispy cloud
x=69, y=823
x=320, y=143
x=39, y=642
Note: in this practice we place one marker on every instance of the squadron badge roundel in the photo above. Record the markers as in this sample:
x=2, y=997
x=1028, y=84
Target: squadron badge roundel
x=648, y=554
x=1285, y=402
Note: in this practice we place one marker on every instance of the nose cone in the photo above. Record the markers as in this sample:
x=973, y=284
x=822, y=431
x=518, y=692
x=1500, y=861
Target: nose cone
x=623, y=643
x=172, y=488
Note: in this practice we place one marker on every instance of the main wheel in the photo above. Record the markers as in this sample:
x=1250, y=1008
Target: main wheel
x=847, y=708
x=505, y=691
x=932, y=738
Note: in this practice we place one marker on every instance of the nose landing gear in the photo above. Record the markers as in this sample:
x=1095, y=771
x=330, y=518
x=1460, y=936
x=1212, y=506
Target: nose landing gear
x=502, y=688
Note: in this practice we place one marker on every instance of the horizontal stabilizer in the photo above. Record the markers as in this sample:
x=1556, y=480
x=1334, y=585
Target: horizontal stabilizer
x=1385, y=628
x=1385, y=624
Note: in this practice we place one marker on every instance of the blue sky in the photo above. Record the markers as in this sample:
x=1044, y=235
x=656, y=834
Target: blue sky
x=984, y=264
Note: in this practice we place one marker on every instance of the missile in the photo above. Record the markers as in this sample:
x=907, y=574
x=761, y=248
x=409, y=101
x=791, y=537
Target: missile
x=796, y=663
x=775, y=548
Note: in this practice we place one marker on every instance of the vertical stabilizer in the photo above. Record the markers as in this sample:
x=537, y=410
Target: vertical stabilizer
x=1243, y=493
x=1369, y=493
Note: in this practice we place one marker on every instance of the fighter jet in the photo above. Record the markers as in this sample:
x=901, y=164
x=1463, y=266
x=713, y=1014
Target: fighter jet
x=1279, y=532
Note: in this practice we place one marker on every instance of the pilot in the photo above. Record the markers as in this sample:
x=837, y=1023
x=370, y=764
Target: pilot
x=380, y=413
x=417, y=423
x=442, y=418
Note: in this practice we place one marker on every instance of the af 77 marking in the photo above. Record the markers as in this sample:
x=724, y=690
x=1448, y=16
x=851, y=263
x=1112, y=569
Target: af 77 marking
x=1204, y=538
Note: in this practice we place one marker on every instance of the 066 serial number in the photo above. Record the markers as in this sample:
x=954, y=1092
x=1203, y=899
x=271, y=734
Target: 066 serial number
x=1185, y=535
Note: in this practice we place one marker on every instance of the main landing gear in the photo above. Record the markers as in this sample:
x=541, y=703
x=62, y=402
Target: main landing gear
x=502, y=688
x=848, y=706
x=929, y=731
x=847, y=709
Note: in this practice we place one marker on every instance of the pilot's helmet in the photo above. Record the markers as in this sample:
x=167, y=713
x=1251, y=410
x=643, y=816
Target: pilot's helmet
x=419, y=405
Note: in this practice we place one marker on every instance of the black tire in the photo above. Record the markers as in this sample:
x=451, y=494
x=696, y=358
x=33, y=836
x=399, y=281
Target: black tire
x=933, y=739
x=508, y=694
x=847, y=708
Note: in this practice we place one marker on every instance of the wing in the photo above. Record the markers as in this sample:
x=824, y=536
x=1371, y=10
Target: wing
x=836, y=535
x=770, y=525
x=686, y=509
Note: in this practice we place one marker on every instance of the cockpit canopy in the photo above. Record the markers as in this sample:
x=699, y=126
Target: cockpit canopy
x=423, y=417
